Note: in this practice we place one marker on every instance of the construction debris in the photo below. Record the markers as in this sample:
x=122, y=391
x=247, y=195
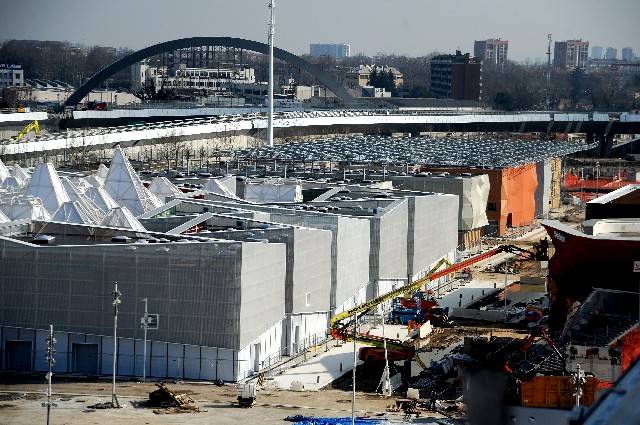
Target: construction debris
x=170, y=402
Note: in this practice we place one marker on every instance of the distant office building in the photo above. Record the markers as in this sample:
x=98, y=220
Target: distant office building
x=11, y=75
x=360, y=76
x=335, y=51
x=611, y=53
x=596, y=52
x=627, y=54
x=492, y=51
x=456, y=77
x=571, y=53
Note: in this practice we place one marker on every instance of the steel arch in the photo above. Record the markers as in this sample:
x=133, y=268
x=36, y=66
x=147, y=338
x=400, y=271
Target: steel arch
x=182, y=43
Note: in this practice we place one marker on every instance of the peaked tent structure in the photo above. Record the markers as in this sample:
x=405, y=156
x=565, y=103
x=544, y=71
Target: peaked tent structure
x=126, y=188
x=21, y=207
x=18, y=171
x=73, y=212
x=101, y=199
x=46, y=185
x=4, y=172
x=94, y=181
x=215, y=186
x=13, y=182
x=163, y=188
x=76, y=195
x=103, y=171
x=3, y=217
x=121, y=217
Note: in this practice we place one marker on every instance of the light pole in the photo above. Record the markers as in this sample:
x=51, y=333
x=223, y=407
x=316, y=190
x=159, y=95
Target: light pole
x=51, y=361
x=353, y=375
x=145, y=326
x=506, y=270
x=598, y=177
x=270, y=88
x=116, y=301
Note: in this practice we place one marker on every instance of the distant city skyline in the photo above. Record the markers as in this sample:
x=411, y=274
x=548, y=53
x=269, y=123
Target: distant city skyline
x=410, y=27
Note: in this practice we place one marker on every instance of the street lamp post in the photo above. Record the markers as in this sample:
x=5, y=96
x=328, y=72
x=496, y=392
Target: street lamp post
x=116, y=301
x=145, y=326
x=597, y=176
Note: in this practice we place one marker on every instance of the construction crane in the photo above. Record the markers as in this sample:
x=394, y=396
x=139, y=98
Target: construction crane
x=34, y=126
x=341, y=322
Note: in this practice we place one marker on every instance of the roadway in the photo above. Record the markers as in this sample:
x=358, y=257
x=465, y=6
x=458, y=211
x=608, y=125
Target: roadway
x=319, y=122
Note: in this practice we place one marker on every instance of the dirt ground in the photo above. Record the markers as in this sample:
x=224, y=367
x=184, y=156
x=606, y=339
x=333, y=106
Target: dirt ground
x=20, y=403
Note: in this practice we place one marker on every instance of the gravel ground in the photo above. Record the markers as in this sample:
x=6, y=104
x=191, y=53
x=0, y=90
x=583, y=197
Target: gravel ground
x=21, y=404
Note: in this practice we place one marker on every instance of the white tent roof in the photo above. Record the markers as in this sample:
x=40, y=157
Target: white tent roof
x=101, y=198
x=76, y=195
x=13, y=182
x=122, y=217
x=18, y=171
x=3, y=217
x=81, y=184
x=103, y=171
x=94, y=181
x=125, y=187
x=163, y=188
x=22, y=207
x=4, y=172
x=46, y=185
x=73, y=212
x=215, y=186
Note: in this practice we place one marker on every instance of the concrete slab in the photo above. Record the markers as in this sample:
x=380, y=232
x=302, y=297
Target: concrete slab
x=319, y=371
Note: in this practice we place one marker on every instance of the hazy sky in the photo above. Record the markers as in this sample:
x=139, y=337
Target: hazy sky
x=412, y=27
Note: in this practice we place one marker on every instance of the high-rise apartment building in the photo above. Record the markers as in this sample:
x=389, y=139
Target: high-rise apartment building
x=611, y=53
x=335, y=51
x=492, y=51
x=596, y=52
x=627, y=54
x=571, y=53
x=456, y=77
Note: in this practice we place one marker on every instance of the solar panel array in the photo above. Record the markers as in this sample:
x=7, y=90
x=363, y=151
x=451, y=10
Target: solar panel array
x=489, y=152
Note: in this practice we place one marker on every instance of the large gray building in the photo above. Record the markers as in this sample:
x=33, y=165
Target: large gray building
x=222, y=300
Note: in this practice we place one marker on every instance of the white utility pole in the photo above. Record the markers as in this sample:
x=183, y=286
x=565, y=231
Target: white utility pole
x=116, y=301
x=353, y=374
x=506, y=271
x=145, y=326
x=270, y=89
x=385, y=381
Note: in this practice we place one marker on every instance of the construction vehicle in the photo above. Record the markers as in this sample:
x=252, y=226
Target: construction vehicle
x=342, y=323
x=419, y=308
x=34, y=126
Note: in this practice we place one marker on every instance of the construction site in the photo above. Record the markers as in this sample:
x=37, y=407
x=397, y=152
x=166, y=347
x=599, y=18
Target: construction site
x=455, y=286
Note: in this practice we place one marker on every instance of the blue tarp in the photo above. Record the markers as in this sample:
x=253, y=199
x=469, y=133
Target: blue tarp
x=304, y=420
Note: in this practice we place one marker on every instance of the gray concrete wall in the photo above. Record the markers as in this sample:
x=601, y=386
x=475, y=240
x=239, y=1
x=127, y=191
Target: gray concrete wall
x=434, y=230
x=262, y=289
x=195, y=287
x=392, y=242
x=312, y=270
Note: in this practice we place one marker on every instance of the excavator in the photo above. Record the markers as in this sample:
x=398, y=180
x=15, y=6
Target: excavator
x=34, y=126
x=341, y=323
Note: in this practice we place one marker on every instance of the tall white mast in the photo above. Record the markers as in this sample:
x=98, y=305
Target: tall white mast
x=270, y=90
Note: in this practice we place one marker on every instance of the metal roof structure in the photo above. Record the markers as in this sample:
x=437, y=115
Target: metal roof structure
x=485, y=152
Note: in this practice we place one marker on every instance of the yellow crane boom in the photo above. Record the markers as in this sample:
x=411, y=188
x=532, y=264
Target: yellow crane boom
x=34, y=126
